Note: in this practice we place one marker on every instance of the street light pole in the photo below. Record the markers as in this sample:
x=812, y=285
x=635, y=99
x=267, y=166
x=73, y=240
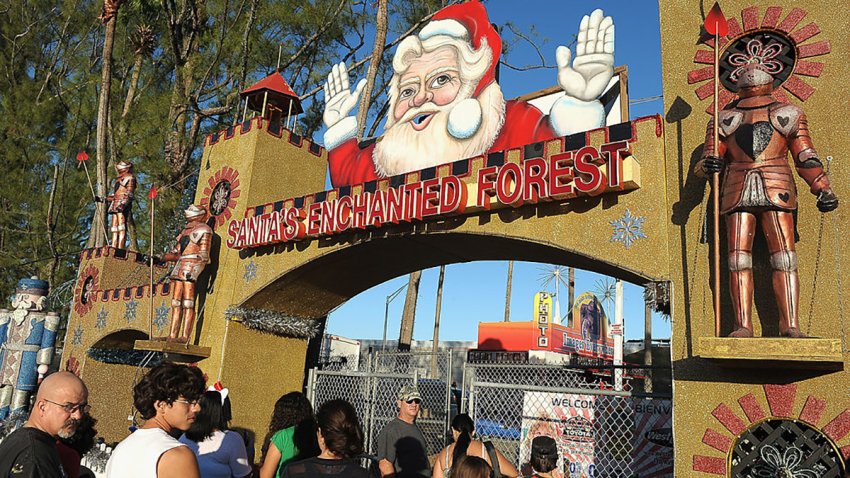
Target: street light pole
x=390, y=298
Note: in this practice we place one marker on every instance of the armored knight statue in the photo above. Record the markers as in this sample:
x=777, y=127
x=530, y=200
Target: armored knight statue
x=27, y=336
x=121, y=202
x=756, y=133
x=192, y=254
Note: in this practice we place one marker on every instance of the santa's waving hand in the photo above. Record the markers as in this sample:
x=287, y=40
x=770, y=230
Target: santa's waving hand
x=587, y=78
x=339, y=101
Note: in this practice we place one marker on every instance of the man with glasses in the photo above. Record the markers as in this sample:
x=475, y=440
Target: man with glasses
x=30, y=451
x=167, y=398
x=401, y=445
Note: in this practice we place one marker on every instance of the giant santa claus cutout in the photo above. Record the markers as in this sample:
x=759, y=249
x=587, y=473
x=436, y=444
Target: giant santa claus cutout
x=445, y=104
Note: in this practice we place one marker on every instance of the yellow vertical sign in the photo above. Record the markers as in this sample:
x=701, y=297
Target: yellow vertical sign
x=543, y=317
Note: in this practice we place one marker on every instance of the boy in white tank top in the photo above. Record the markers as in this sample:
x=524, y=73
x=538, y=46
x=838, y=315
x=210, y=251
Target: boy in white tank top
x=167, y=398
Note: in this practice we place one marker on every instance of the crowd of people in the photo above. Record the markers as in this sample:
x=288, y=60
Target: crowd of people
x=186, y=434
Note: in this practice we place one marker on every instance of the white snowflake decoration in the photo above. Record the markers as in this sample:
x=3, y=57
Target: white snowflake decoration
x=161, y=318
x=78, y=335
x=785, y=465
x=250, y=271
x=102, y=315
x=130, y=310
x=628, y=229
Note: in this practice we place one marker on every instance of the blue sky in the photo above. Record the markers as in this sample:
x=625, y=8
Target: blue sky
x=475, y=292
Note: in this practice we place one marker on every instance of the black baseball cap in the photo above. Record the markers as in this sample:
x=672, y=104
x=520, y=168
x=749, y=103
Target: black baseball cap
x=543, y=446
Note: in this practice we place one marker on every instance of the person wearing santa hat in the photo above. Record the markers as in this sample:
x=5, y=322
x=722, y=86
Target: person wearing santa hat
x=445, y=104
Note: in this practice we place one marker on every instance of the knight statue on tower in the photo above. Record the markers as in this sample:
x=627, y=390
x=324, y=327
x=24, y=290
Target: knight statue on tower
x=192, y=254
x=121, y=202
x=27, y=336
x=756, y=134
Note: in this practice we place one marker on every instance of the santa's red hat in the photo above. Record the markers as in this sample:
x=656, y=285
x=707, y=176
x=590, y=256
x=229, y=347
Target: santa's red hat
x=468, y=21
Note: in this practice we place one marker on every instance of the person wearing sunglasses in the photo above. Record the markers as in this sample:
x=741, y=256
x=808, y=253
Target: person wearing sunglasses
x=60, y=404
x=401, y=445
x=167, y=398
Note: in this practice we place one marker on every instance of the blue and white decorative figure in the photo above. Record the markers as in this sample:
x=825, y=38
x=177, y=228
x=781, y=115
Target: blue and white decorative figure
x=130, y=310
x=27, y=336
x=161, y=317
x=250, y=271
x=628, y=229
x=102, y=315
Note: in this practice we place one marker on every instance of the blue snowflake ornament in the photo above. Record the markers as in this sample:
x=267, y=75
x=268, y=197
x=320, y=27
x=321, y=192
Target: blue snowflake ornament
x=78, y=336
x=161, y=317
x=102, y=315
x=250, y=271
x=628, y=229
x=130, y=310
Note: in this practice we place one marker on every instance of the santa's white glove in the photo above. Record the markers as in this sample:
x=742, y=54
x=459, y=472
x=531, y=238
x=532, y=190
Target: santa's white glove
x=593, y=65
x=586, y=79
x=339, y=101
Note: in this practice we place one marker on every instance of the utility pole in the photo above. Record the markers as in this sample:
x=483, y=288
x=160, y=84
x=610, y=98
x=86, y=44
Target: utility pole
x=508, y=291
x=571, y=284
x=436, y=342
x=408, y=315
x=647, y=342
x=618, y=336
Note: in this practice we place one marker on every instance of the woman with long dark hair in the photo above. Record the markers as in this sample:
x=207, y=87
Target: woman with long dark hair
x=291, y=435
x=221, y=453
x=464, y=445
x=341, y=441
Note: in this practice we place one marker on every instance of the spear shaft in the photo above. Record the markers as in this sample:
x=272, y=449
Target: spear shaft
x=715, y=184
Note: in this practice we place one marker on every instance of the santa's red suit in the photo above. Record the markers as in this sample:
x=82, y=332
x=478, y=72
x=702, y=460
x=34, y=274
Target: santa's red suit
x=524, y=124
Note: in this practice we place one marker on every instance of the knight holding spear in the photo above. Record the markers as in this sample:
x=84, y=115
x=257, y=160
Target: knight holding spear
x=750, y=146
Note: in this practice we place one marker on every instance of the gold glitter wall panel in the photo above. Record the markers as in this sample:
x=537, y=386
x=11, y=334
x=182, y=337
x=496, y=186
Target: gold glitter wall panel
x=717, y=400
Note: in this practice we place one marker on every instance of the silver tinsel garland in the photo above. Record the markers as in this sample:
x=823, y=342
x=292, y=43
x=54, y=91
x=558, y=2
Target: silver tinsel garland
x=13, y=422
x=125, y=357
x=274, y=323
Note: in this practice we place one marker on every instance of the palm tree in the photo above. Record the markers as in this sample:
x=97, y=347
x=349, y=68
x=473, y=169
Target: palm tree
x=554, y=274
x=408, y=315
x=109, y=17
x=606, y=292
x=508, y=291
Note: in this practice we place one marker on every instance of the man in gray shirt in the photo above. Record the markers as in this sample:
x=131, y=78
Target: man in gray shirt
x=401, y=445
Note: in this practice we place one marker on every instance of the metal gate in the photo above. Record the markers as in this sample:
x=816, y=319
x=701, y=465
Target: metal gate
x=374, y=386
x=601, y=432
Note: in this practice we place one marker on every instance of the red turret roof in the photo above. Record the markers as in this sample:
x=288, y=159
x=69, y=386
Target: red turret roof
x=279, y=91
x=273, y=82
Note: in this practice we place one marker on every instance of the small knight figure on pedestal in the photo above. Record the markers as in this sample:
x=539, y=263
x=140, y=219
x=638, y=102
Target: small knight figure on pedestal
x=756, y=133
x=121, y=202
x=27, y=336
x=192, y=254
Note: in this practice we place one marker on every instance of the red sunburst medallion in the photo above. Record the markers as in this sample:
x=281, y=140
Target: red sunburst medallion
x=771, y=439
x=221, y=193
x=784, y=41
x=87, y=284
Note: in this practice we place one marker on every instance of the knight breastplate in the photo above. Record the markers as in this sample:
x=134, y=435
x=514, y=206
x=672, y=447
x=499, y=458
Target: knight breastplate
x=194, y=241
x=757, y=175
x=122, y=192
x=125, y=185
x=193, y=245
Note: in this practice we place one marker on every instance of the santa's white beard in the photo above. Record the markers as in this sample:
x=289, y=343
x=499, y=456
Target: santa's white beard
x=403, y=149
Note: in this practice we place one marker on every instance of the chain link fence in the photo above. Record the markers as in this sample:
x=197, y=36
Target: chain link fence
x=373, y=390
x=601, y=432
